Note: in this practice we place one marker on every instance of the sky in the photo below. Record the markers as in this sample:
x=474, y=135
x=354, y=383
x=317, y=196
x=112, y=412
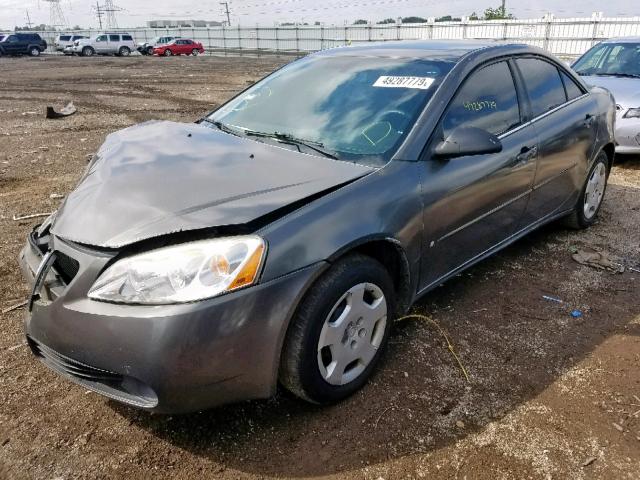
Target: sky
x=267, y=12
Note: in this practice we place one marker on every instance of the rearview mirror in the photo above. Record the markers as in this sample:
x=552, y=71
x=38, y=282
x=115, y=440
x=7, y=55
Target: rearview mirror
x=465, y=141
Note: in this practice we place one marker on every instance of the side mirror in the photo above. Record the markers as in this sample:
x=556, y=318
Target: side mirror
x=465, y=141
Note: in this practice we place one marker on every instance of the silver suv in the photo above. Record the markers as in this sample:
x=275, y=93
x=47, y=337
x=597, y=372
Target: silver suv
x=121, y=44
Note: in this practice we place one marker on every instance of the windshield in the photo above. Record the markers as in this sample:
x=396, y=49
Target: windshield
x=357, y=109
x=615, y=59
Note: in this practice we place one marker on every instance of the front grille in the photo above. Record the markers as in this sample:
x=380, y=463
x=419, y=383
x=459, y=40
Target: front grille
x=110, y=384
x=66, y=267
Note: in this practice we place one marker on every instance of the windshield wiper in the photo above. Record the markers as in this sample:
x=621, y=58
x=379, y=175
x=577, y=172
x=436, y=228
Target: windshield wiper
x=629, y=75
x=288, y=138
x=221, y=126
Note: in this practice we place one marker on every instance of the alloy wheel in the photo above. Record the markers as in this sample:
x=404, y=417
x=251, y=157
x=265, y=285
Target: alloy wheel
x=595, y=190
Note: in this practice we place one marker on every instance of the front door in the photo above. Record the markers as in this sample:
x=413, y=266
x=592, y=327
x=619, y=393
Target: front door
x=473, y=203
x=101, y=44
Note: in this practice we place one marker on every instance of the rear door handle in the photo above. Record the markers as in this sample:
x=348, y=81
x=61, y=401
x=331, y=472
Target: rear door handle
x=526, y=154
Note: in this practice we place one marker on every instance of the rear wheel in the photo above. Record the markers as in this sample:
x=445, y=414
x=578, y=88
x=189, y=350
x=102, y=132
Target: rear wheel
x=591, y=196
x=124, y=51
x=149, y=50
x=34, y=51
x=339, y=331
x=87, y=52
x=168, y=53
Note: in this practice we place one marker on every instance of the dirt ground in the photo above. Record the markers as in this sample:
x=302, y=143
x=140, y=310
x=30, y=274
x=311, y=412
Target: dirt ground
x=550, y=396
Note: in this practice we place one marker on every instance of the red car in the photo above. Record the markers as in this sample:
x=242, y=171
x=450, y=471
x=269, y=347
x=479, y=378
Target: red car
x=179, y=46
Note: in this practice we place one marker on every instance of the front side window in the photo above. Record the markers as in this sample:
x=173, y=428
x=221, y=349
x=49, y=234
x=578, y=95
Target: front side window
x=358, y=108
x=101, y=38
x=114, y=38
x=543, y=84
x=487, y=100
x=611, y=59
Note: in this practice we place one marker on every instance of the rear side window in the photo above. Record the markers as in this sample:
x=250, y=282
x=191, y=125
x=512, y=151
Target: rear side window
x=65, y=38
x=487, y=100
x=570, y=86
x=114, y=38
x=127, y=38
x=543, y=83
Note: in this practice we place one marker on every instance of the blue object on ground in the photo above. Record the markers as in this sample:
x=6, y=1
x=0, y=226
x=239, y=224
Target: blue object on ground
x=576, y=313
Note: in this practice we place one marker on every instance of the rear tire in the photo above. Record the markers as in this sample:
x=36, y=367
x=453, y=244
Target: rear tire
x=591, y=196
x=124, y=52
x=339, y=331
x=34, y=51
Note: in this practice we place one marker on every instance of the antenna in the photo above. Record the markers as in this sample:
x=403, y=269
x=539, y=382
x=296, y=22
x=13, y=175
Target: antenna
x=56, y=17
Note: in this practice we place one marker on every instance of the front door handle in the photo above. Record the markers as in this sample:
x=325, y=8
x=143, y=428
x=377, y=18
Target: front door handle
x=526, y=154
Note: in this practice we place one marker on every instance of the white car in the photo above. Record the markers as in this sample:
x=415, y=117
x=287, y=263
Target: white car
x=615, y=65
x=61, y=42
x=121, y=44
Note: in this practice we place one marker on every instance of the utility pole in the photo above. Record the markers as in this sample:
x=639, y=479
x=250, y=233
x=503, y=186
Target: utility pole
x=99, y=14
x=28, y=19
x=504, y=11
x=226, y=7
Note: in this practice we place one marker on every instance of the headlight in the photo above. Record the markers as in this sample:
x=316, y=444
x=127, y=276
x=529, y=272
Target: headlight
x=182, y=273
x=632, y=113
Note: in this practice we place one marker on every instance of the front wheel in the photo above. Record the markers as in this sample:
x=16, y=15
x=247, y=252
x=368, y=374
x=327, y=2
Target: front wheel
x=591, y=195
x=168, y=53
x=195, y=52
x=339, y=331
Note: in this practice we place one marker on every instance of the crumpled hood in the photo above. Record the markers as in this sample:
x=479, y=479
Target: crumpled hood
x=163, y=177
x=626, y=91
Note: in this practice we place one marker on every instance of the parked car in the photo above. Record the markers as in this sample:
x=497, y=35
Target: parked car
x=615, y=65
x=120, y=44
x=180, y=46
x=22, y=44
x=61, y=42
x=277, y=239
x=147, y=47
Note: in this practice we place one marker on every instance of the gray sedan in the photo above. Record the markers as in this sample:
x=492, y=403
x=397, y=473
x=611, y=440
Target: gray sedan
x=276, y=240
x=615, y=65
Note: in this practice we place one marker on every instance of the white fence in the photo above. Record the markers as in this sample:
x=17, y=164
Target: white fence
x=566, y=37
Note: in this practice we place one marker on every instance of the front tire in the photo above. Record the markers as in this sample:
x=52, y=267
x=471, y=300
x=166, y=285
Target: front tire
x=591, y=196
x=168, y=53
x=87, y=52
x=195, y=52
x=339, y=331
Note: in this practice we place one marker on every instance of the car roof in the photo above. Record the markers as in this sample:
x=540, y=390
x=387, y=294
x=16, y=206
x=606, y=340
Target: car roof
x=622, y=40
x=427, y=49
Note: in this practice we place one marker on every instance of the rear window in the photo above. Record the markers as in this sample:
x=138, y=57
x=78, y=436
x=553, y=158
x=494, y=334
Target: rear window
x=114, y=38
x=77, y=37
x=127, y=38
x=65, y=38
x=543, y=83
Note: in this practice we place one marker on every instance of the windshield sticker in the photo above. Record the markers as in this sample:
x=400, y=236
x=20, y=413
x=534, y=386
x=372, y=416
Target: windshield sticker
x=481, y=105
x=422, y=83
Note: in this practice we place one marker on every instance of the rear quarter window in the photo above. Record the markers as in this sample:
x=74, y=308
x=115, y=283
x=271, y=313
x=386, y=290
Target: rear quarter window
x=114, y=38
x=65, y=38
x=543, y=84
x=570, y=86
x=127, y=38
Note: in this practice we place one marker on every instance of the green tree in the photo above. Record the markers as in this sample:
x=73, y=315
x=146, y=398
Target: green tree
x=474, y=16
x=386, y=20
x=498, y=13
x=414, y=20
x=360, y=22
x=448, y=18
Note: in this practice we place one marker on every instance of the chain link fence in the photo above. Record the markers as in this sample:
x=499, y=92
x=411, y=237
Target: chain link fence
x=565, y=37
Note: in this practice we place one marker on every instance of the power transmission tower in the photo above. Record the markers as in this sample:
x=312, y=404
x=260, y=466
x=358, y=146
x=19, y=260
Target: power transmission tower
x=226, y=7
x=56, y=17
x=110, y=10
x=29, y=23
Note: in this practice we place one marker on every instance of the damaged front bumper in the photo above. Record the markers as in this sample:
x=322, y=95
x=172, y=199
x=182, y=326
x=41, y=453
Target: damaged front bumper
x=169, y=358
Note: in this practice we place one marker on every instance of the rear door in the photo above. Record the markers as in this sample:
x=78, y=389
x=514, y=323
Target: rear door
x=114, y=43
x=562, y=114
x=474, y=203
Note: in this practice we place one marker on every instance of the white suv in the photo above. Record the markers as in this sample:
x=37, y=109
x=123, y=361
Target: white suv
x=121, y=44
x=61, y=42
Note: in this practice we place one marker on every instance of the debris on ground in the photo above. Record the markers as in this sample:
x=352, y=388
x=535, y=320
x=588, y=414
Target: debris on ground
x=589, y=461
x=14, y=307
x=69, y=109
x=552, y=299
x=601, y=260
x=32, y=215
x=576, y=313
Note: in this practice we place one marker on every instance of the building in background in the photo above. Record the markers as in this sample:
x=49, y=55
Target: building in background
x=182, y=23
